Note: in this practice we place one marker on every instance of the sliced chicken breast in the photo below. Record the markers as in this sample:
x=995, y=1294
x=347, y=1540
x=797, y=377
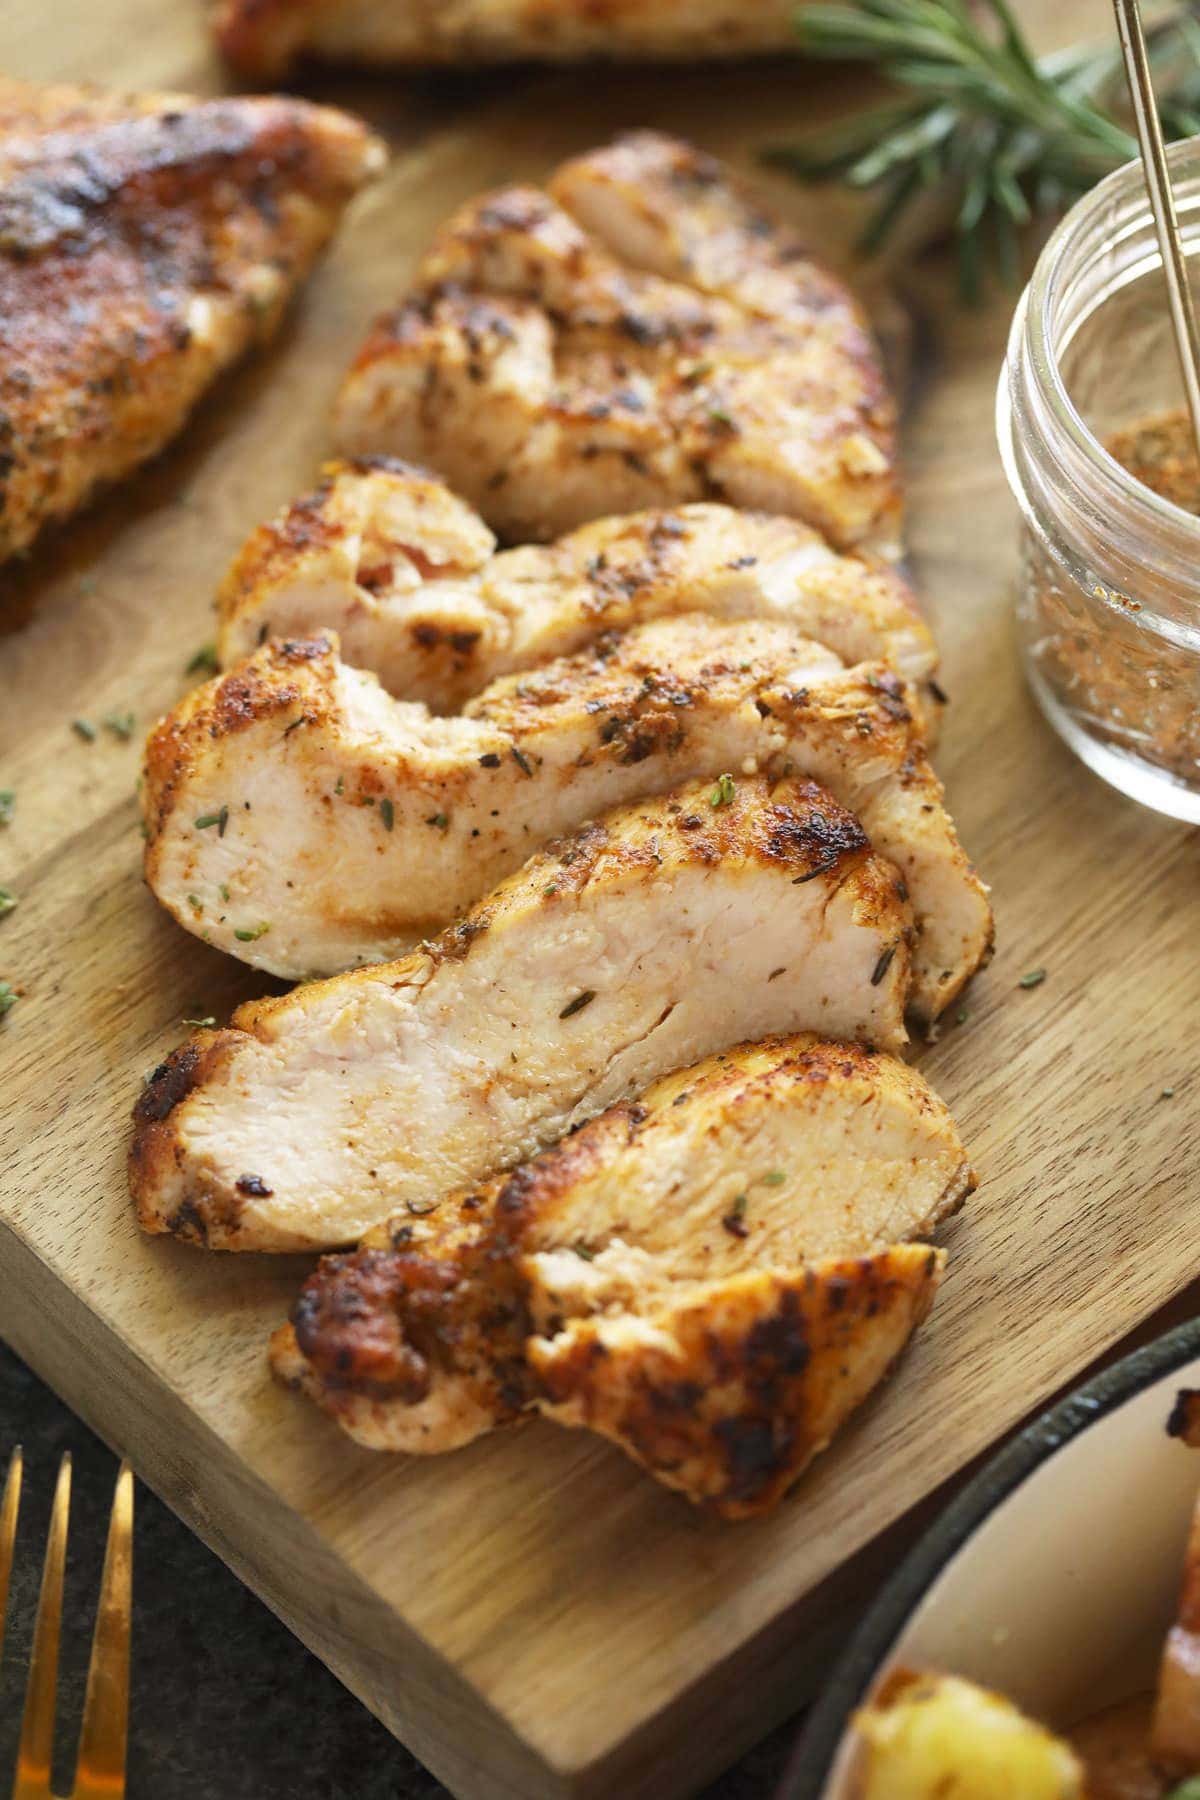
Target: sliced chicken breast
x=404, y=572
x=551, y=382
x=293, y=793
x=145, y=243
x=705, y=1197
x=261, y=38
x=657, y=936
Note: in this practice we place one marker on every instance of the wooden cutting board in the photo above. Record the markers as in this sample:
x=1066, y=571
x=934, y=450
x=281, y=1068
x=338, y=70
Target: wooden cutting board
x=532, y=1616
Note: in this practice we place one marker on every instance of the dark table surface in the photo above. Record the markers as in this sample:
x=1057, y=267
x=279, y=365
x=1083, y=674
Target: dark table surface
x=226, y=1703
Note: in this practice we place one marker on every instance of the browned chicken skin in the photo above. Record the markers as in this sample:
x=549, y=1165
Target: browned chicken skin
x=145, y=243
x=554, y=373
x=262, y=37
x=712, y=1276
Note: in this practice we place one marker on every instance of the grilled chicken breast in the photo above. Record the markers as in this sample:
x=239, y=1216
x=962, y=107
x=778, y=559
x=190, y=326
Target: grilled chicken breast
x=294, y=791
x=262, y=37
x=144, y=245
x=702, y=1202
x=406, y=574
x=657, y=936
x=552, y=378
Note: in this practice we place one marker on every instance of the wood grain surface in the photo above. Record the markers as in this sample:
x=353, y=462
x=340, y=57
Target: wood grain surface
x=532, y=1615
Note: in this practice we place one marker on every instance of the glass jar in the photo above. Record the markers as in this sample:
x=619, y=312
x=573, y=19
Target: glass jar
x=1108, y=611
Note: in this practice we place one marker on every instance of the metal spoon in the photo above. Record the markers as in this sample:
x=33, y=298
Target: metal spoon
x=1162, y=204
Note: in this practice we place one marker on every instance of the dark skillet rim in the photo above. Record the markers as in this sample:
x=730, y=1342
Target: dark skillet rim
x=818, y=1744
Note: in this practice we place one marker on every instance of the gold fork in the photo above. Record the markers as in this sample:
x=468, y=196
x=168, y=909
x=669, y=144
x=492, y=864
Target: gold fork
x=100, y=1770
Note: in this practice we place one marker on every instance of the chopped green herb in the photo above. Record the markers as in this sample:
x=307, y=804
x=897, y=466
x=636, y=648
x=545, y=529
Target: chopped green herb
x=223, y=891
x=522, y=761
x=883, y=965
x=441, y=820
x=387, y=813
x=85, y=729
x=775, y=1178
x=219, y=819
x=204, y=661
x=205, y=1024
x=196, y=903
x=249, y=933
x=1034, y=978
x=8, y=901
x=8, y=997
x=551, y=890
x=720, y=416
x=1186, y=1790
x=120, y=724
x=961, y=1016
x=582, y=1249
x=735, y=1219
x=8, y=805
x=722, y=794
x=697, y=372
x=1167, y=1094
x=578, y=1003
x=294, y=726
x=341, y=783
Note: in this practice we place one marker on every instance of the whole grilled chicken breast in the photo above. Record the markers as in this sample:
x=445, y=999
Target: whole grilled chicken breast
x=659, y=935
x=765, y=1161
x=553, y=381
x=406, y=574
x=262, y=37
x=145, y=243
x=294, y=793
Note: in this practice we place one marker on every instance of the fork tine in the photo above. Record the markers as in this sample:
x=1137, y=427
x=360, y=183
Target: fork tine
x=100, y=1774
x=37, y=1726
x=10, y=1506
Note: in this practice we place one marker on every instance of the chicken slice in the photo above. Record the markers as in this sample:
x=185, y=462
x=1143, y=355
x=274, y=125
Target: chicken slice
x=710, y=1276
x=145, y=243
x=293, y=792
x=551, y=382
x=404, y=572
x=704, y=1200
x=727, y=1388
x=262, y=38
x=659, y=935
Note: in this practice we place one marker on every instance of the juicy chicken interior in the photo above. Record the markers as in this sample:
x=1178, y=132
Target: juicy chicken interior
x=294, y=793
x=657, y=936
x=764, y=1196
x=263, y=37
x=555, y=372
x=145, y=243
x=408, y=576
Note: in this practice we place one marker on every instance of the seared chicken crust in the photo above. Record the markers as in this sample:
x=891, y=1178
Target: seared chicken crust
x=294, y=791
x=552, y=378
x=262, y=38
x=659, y=935
x=408, y=576
x=145, y=243
x=705, y=1199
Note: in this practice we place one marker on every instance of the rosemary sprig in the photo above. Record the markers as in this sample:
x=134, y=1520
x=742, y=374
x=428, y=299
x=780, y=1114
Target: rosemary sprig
x=997, y=133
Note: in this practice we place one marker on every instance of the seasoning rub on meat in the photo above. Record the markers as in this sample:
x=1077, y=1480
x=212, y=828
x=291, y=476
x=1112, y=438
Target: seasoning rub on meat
x=294, y=792
x=712, y=1275
x=661, y=934
x=145, y=243
x=686, y=348
x=409, y=577
x=263, y=37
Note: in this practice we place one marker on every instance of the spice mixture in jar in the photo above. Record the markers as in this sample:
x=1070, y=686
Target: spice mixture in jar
x=1133, y=688
x=1098, y=458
